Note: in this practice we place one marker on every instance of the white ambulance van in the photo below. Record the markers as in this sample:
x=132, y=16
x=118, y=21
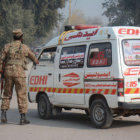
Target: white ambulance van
x=96, y=70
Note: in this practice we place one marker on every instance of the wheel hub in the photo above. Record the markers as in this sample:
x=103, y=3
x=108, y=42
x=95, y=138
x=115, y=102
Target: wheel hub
x=99, y=113
x=42, y=106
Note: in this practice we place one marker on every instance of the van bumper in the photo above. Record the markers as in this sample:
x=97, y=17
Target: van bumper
x=129, y=105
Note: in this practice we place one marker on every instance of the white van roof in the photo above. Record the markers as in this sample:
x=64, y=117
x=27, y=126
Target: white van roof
x=102, y=33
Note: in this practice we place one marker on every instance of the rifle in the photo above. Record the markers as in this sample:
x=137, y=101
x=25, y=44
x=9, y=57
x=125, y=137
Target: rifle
x=2, y=81
x=2, y=86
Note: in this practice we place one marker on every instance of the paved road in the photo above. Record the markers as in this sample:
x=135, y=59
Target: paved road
x=70, y=125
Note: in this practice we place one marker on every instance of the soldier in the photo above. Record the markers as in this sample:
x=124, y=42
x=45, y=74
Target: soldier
x=14, y=56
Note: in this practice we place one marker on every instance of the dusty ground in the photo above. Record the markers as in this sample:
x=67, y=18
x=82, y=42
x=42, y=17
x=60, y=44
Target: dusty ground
x=70, y=125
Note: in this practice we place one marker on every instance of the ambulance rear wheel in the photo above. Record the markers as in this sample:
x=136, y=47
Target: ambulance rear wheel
x=44, y=107
x=100, y=114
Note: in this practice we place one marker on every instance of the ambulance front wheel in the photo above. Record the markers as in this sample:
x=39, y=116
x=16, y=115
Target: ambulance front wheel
x=100, y=114
x=87, y=112
x=44, y=107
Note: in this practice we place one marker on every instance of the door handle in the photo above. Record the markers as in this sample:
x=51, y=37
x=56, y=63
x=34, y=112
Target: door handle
x=49, y=74
x=138, y=79
x=59, y=77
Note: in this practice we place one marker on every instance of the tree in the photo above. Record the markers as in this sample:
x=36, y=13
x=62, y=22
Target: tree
x=14, y=18
x=46, y=14
x=36, y=18
x=122, y=12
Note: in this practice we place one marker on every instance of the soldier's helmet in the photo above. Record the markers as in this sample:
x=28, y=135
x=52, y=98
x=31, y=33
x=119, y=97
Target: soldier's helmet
x=17, y=32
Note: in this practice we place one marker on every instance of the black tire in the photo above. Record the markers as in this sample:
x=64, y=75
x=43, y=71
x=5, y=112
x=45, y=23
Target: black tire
x=44, y=107
x=87, y=112
x=100, y=114
x=59, y=110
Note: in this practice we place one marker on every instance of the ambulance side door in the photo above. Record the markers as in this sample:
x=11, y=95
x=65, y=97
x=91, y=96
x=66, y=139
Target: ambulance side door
x=41, y=76
x=100, y=70
x=69, y=74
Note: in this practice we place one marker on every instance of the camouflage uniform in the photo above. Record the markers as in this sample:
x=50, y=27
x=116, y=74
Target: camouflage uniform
x=14, y=54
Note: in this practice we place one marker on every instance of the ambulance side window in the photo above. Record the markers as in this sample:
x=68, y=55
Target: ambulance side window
x=47, y=57
x=72, y=57
x=100, y=55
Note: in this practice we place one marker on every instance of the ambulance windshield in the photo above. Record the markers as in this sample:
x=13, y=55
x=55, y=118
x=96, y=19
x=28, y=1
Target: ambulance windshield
x=131, y=50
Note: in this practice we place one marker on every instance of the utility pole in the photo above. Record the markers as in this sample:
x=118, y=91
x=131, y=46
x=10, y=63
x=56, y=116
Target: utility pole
x=69, y=12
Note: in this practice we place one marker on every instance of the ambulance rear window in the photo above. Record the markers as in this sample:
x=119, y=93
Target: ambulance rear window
x=131, y=50
x=100, y=55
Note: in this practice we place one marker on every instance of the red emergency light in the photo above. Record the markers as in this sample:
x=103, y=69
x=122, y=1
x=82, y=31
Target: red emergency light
x=80, y=27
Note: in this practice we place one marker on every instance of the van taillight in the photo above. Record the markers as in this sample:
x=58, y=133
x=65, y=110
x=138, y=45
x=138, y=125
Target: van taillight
x=120, y=87
x=120, y=83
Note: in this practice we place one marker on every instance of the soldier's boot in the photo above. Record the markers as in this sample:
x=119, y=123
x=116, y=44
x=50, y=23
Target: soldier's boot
x=23, y=120
x=3, y=116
